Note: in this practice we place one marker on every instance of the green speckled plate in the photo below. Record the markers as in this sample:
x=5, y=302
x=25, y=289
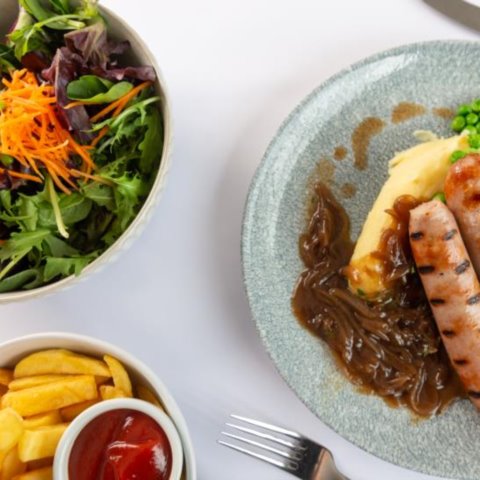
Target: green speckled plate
x=437, y=75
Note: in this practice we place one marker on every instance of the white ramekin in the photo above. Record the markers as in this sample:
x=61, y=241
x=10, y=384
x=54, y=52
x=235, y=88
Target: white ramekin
x=64, y=449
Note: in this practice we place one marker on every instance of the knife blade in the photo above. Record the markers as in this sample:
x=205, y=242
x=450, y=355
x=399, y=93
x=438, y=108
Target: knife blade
x=460, y=10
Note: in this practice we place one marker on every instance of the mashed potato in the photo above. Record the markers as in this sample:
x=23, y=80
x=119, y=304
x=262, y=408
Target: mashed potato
x=419, y=171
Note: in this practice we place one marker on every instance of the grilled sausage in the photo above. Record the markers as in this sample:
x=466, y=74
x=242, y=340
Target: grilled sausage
x=462, y=190
x=452, y=288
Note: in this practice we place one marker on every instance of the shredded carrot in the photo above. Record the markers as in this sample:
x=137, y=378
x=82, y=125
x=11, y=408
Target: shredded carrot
x=31, y=133
x=121, y=103
x=96, y=178
x=25, y=176
x=77, y=103
x=101, y=134
x=117, y=105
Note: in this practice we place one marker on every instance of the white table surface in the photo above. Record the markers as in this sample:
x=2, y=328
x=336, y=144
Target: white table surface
x=176, y=300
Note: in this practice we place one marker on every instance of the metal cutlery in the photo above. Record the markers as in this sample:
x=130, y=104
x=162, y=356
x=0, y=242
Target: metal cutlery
x=460, y=10
x=286, y=449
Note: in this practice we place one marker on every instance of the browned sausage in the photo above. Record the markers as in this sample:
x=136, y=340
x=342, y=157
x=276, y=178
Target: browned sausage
x=462, y=190
x=452, y=288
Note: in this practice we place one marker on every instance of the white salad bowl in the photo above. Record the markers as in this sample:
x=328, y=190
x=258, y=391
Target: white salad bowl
x=139, y=55
x=13, y=350
x=64, y=449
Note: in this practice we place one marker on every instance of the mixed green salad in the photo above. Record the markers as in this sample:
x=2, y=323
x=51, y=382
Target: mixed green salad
x=81, y=136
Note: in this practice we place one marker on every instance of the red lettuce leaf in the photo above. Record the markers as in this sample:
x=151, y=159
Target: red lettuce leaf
x=87, y=51
x=119, y=74
x=98, y=53
x=36, y=61
x=91, y=43
x=63, y=70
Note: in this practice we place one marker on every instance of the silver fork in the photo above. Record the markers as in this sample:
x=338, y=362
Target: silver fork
x=287, y=450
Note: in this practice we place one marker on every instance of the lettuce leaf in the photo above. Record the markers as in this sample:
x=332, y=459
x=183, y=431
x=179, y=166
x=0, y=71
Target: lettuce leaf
x=94, y=90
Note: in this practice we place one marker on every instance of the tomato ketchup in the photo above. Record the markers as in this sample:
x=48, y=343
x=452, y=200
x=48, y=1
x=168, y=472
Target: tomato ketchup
x=121, y=445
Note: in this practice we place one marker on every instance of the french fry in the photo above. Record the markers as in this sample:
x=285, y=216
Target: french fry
x=11, y=430
x=60, y=362
x=6, y=376
x=143, y=393
x=12, y=465
x=29, y=382
x=51, y=396
x=41, y=442
x=39, y=474
x=42, y=420
x=69, y=413
x=119, y=375
x=108, y=392
x=35, y=381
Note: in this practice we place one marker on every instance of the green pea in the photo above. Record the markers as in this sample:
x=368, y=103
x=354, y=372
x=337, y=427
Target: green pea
x=440, y=196
x=464, y=110
x=457, y=155
x=471, y=118
x=476, y=105
x=458, y=124
x=470, y=128
x=474, y=140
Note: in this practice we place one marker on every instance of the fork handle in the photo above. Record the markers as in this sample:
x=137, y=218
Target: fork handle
x=324, y=468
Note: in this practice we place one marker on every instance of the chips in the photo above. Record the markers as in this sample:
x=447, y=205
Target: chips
x=35, y=381
x=120, y=377
x=143, y=393
x=51, y=396
x=42, y=394
x=107, y=392
x=69, y=413
x=42, y=420
x=40, y=442
x=51, y=362
x=12, y=465
x=11, y=430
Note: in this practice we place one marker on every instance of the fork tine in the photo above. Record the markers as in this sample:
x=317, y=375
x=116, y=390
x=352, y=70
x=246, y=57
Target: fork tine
x=284, y=465
x=267, y=426
x=292, y=455
x=266, y=436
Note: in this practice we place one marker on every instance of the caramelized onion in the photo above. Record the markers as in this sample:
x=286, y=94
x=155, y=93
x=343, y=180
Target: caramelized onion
x=390, y=347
